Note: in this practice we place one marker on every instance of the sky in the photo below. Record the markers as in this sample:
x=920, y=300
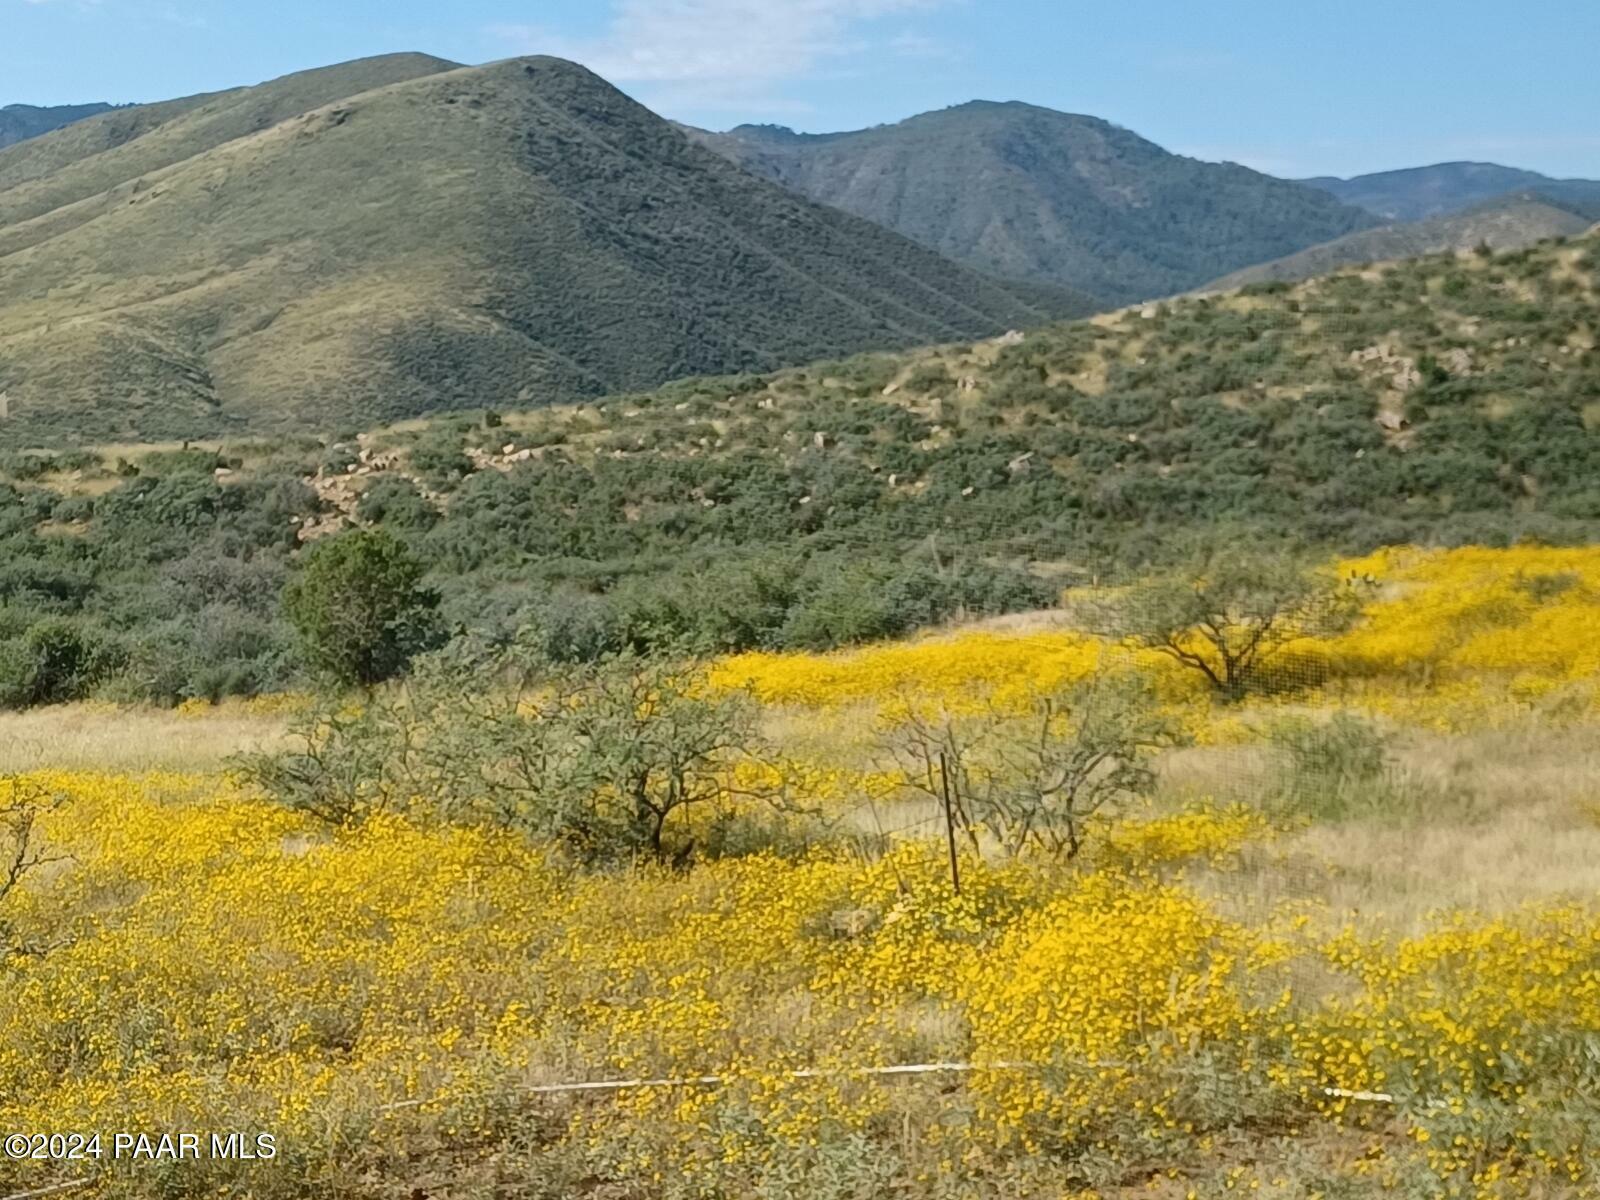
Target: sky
x=1294, y=89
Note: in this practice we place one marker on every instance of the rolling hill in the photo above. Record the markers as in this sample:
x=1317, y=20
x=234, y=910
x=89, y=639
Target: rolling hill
x=1436, y=400
x=1418, y=193
x=1029, y=193
x=1509, y=223
x=19, y=122
x=399, y=235
x=1441, y=400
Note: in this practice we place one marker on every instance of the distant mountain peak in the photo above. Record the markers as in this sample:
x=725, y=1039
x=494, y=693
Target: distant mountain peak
x=17, y=109
x=981, y=105
x=22, y=122
x=1511, y=222
x=1050, y=197
x=753, y=129
x=1439, y=189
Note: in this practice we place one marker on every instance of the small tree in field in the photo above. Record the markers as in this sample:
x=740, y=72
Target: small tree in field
x=648, y=741
x=360, y=609
x=1229, y=617
x=607, y=758
x=1037, y=778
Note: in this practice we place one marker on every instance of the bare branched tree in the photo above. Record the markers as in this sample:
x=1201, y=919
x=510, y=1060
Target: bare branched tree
x=1036, y=778
x=22, y=851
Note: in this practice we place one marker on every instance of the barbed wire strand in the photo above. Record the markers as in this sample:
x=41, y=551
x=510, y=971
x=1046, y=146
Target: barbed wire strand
x=53, y=1190
x=933, y=1068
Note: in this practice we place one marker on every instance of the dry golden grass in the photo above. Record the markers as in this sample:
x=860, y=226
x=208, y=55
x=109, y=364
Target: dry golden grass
x=1516, y=856
x=1509, y=821
x=1488, y=822
x=93, y=737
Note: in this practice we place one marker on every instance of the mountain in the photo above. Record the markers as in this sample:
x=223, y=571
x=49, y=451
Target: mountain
x=399, y=235
x=1418, y=193
x=1509, y=223
x=1029, y=193
x=19, y=122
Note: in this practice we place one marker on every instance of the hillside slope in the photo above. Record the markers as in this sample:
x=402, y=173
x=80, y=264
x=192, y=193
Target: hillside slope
x=19, y=122
x=1030, y=193
x=1418, y=193
x=1507, y=224
x=1440, y=401
x=394, y=237
x=89, y=159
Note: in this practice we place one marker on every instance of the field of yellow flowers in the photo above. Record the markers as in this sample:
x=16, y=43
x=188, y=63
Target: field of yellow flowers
x=1218, y=996
x=1450, y=640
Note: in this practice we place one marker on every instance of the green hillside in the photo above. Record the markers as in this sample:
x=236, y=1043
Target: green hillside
x=395, y=236
x=19, y=122
x=1445, y=400
x=1029, y=193
x=1420, y=193
x=85, y=162
x=1510, y=223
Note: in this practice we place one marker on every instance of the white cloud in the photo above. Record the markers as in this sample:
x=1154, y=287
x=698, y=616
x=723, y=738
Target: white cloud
x=713, y=54
x=917, y=45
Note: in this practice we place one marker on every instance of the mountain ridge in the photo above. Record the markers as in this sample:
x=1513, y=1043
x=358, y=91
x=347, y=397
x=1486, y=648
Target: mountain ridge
x=1509, y=223
x=21, y=122
x=90, y=157
x=239, y=269
x=1439, y=189
x=1030, y=193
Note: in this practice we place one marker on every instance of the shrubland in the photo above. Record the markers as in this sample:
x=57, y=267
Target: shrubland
x=1441, y=402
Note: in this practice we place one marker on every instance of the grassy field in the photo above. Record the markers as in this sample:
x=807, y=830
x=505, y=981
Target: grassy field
x=101, y=737
x=1283, y=971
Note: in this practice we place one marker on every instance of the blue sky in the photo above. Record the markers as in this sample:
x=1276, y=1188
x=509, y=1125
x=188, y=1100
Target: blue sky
x=1292, y=88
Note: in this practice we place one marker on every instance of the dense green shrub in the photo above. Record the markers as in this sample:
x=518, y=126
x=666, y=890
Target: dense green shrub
x=1333, y=769
x=360, y=609
x=928, y=377
x=397, y=504
x=56, y=660
x=439, y=458
x=602, y=757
